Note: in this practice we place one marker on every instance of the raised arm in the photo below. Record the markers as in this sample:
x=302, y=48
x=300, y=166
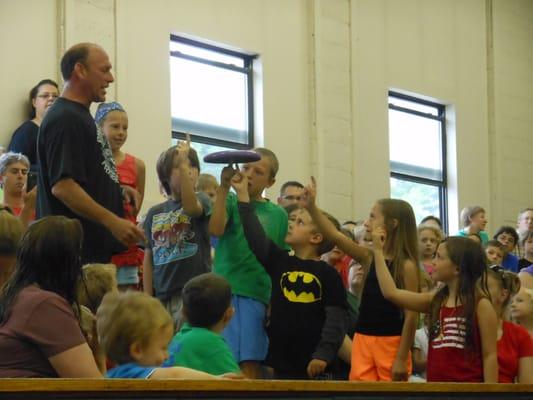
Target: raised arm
x=264, y=249
x=357, y=252
x=189, y=201
x=419, y=302
x=217, y=222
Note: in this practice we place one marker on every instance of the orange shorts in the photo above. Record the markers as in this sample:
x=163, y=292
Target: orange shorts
x=373, y=356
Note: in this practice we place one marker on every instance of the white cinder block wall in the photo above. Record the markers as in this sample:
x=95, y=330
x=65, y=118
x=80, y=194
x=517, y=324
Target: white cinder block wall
x=324, y=70
x=511, y=155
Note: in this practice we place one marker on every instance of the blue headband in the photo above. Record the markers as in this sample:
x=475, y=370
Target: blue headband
x=104, y=109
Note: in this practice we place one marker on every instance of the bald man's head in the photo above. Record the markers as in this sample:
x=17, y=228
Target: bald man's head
x=79, y=53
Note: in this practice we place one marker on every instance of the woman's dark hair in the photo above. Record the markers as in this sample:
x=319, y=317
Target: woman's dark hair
x=48, y=256
x=33, y=93
x=470, y=258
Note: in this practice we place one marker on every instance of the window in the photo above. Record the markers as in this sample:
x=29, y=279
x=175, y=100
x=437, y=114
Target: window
x=211, y=97
x=417, y=143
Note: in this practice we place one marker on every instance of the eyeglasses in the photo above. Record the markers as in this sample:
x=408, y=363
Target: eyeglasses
x=47, y=95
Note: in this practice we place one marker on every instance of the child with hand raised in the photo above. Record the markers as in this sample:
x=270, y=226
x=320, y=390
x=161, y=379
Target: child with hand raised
x=462, y=338
x=308, y=303
x=384, y=332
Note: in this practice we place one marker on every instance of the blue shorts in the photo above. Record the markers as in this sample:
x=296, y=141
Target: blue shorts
x=127, y=275
x=245, y=333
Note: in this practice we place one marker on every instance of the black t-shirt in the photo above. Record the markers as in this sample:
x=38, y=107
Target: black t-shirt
x=70, y=146
x=303, y=292
x=24, y=140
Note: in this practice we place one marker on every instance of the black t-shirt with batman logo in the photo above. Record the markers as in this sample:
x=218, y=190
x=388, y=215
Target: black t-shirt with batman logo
x=301, y=291
x=70, y=146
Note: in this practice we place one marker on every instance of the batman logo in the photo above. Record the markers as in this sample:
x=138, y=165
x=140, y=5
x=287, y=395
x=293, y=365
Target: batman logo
x=301, y=287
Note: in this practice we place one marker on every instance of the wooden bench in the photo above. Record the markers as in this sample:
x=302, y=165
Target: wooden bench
x=250, y=389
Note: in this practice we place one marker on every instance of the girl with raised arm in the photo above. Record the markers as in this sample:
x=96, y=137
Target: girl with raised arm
x=385, y=332
x=462, y=338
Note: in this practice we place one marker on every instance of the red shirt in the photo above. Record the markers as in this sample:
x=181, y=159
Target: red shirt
x=448, y=359
x=127, y=175
x=514, y=344
x=343, y=267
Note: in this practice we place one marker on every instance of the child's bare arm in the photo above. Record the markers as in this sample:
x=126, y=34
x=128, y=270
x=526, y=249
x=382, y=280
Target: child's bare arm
x=147, y=272
x=189, y=201
x=357, y=252
x=217, y=222
x=141, y=180
x=180, y=373
x=406, y=299
x=487, y=320
x=399, y=367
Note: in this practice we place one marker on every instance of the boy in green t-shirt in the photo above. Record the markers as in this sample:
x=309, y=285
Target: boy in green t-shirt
x=207, y=310
x=234, y=260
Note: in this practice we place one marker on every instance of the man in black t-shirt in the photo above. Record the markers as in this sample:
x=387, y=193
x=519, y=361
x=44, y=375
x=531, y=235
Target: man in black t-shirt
x=78, y=175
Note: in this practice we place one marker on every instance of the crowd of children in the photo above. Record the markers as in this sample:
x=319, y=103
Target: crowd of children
x=290, y=294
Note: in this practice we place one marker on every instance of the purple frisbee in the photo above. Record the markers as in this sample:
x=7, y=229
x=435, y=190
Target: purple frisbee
x=232, y=156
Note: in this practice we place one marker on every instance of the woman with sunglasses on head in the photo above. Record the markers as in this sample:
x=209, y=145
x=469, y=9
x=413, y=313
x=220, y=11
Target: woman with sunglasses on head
x=24, y=139
x=515, y=346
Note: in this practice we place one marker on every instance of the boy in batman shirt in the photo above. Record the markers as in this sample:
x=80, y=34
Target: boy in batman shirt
x=308, y=303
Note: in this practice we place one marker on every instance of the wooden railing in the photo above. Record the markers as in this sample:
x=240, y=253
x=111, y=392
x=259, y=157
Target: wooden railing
x=250, y=389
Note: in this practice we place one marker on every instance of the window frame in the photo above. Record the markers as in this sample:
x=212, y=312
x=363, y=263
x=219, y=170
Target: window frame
x=441, y=184
x=247, y=70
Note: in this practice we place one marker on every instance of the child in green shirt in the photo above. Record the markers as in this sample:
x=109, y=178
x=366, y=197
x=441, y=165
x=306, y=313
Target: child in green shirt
x=234, y=260
x=207, y=310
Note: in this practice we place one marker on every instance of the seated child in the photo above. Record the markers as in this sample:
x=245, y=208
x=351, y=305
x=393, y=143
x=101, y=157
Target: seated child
x=208, y=185
x=134, y=330
x=494, y=252
x=522, y=309
x=207, y=310
x=527, y=247
x=508, y=237
x=96, y=281
x=308, y=303
x=10, y=233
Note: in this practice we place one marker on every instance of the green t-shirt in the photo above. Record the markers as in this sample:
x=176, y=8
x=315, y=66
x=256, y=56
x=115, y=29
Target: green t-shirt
x=482, y=234
x=201, y=349
x=233, y=258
